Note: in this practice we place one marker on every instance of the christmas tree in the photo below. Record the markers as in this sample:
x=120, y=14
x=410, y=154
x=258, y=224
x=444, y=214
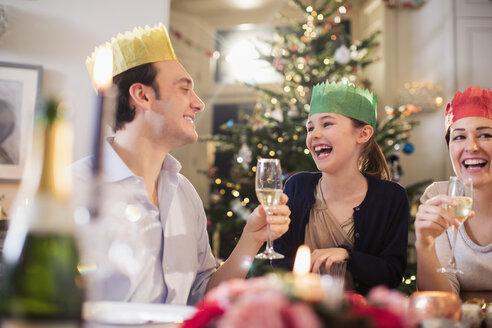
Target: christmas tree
x=318, y=50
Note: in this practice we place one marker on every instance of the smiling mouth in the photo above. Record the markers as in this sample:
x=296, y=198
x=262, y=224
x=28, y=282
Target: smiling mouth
x=321, y=150
x=188, y=118
x=474, y=163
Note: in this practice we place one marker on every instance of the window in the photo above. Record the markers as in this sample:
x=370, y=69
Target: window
x=241, y=49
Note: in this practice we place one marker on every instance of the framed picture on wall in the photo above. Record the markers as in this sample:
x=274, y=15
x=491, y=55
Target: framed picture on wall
x=19, y=92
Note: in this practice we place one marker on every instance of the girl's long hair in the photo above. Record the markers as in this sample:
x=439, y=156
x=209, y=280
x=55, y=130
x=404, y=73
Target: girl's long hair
x=372, y=161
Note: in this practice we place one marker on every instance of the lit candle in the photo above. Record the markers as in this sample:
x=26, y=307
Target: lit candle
x=105, y=106
x=103, y=80
x=103, y=68
x=302, y=263
x=307, y=286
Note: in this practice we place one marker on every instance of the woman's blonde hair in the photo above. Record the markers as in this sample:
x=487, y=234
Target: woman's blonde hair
x=372, y=161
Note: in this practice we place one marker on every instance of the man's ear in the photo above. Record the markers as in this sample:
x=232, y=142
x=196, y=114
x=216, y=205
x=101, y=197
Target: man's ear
x=139, y=95
x=365, y=133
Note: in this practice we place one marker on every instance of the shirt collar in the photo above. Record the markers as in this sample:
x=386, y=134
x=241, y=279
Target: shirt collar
x=114, y=169
x=171, y=164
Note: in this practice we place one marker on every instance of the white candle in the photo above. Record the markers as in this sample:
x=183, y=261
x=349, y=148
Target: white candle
x=105, y=106
x=302, y=263
x=306, y=285
x=103, y=68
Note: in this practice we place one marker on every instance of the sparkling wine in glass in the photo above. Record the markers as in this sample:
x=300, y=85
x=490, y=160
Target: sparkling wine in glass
x=268, y=186
x=461, y=191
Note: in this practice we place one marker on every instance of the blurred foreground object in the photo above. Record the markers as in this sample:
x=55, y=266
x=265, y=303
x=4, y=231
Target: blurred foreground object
x=41, y=283
x=434, y=304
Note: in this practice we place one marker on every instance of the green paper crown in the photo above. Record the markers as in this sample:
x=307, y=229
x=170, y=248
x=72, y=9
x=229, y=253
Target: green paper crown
x=346, y=100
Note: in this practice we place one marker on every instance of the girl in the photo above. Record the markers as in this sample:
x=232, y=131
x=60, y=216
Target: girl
x=348, y=211
x=468, y=132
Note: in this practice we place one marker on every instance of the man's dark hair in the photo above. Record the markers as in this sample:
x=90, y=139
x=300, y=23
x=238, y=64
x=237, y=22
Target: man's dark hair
x=144, y=74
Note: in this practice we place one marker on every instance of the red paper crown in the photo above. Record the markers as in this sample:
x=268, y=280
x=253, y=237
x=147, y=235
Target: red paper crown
x=471, y=103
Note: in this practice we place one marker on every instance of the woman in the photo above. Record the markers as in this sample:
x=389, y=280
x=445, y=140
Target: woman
x=468, y=132
x=348, y=211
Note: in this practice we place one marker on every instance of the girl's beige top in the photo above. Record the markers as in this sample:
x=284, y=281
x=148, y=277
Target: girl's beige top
x=324, y=231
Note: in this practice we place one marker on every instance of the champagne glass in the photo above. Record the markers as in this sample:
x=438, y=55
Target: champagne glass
x=461, y=191
x=268, y=186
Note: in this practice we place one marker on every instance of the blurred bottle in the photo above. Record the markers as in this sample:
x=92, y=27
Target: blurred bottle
x=41, y=286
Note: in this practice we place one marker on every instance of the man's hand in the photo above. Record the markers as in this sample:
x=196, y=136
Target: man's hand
x=278, y=219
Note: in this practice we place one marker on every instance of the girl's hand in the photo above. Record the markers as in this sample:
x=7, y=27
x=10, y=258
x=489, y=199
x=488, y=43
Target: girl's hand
x=327, y=256
x=278, y=219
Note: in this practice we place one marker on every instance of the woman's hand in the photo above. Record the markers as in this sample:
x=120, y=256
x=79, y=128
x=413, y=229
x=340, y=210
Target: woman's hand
x=432, y=220
x=327, y=256
x=278, y=219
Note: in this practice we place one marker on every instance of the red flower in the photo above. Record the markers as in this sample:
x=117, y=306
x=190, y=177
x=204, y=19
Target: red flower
x=206, y=312
x=392, y=300
x=381, y=318
x=355, y=300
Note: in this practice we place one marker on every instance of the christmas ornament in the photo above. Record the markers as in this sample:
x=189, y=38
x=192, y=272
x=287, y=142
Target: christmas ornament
x=244, y=156
x=395, y=168
x=408, y=148
x=293, y=112
x=342, y=55
x=230, y=123
x=277, y=115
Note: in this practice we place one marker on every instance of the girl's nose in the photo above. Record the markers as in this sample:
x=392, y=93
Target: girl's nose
x=316, y=133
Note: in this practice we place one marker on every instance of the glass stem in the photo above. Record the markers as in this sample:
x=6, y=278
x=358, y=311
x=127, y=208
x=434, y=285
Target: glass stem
x=452, y=261
x=269, y=245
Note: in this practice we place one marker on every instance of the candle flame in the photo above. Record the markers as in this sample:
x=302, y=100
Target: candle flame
x=302, y=263
x=103, y=67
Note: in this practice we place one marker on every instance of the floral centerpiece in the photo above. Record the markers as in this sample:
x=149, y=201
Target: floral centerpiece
x=269, y=302
x=296, y=300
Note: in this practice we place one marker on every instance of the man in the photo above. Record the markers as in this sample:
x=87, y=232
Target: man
x=155, y=114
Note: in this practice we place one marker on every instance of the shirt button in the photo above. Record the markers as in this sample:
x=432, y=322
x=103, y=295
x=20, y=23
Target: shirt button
x=357, y=208
x=357, y=235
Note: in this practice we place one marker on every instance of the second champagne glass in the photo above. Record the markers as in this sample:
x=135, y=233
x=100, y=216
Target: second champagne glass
x=268, y=186
x=461, y=191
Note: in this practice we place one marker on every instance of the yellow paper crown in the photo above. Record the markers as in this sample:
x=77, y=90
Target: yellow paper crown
x=135, y=48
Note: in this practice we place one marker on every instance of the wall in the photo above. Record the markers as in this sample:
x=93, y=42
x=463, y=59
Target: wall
x=424, y=51
x=415, y=45
x=58, y=35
